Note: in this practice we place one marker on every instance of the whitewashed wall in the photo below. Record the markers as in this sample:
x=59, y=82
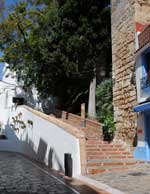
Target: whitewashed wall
x=7, y=92
x=44, y=141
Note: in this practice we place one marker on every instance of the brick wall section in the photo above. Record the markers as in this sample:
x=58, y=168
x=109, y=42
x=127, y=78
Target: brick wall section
x=144, y=37
x=75, y=120
x=125, y=13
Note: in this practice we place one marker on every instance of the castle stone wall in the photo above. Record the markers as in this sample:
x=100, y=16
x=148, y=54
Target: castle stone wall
x=125, y=13
x=142, y=11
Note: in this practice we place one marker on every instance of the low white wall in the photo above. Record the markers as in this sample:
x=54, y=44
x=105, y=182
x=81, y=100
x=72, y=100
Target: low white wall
x=43, y=141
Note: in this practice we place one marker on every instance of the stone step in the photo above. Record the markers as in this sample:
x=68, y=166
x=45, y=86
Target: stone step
x=111, y=164
x=104, y=156
x=92, y=139
x=96, y=142
x=93, y=133
x=114, y=160
x=94, y=157
x=104, y=149
x=104, y=169
x=109, y=153
x=104, y=146
x=123, y=165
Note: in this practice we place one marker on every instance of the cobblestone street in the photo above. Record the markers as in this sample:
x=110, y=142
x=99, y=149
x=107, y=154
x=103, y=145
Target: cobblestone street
x=133, y=181
x=19, y=175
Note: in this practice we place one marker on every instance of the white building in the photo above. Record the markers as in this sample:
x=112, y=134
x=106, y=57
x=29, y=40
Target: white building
x=44, y=140
x=10, y=88
x=8, y=85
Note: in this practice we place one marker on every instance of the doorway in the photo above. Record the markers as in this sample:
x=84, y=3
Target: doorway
x=147, y=134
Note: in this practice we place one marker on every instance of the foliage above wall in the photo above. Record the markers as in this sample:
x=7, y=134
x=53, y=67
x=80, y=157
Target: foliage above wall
x=57, y=45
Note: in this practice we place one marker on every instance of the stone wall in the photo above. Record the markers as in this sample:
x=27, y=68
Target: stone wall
x=142, y=11
x=125, y=13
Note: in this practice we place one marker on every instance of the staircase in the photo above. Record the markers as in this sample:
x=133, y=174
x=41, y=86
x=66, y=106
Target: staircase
x=103, y=156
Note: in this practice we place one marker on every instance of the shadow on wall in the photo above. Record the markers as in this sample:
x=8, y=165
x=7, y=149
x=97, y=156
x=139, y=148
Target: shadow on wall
x=53, y=156
x=50, y=158
x=41, y=152
x=10, y=133
x=27, y=147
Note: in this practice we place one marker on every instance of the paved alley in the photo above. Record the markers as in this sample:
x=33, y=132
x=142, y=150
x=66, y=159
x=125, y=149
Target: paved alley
x=132, y=181
x=19, y=175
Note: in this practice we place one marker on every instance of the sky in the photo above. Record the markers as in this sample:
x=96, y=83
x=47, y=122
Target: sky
x=10, y=2
x=1, y=70
x=7, y=3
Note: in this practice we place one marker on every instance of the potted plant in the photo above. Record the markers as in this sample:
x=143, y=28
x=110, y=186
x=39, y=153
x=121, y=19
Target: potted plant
x=108, y=128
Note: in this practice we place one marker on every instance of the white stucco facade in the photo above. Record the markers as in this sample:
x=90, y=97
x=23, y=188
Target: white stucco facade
x=8, y=86
x=43, y=141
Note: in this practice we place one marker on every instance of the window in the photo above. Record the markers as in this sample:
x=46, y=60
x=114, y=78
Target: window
x=147, y=63
x=145, y=80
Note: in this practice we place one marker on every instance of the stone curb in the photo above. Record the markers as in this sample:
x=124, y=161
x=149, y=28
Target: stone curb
x=99, y=185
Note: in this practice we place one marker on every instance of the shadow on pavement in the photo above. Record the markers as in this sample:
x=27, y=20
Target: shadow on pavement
x=78, y=185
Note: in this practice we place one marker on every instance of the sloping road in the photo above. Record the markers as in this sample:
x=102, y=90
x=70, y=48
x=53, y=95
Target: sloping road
x=18, y=175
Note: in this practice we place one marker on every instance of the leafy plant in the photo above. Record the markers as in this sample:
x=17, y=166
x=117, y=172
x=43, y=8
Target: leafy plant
x=30, y=123
x=21, y=122
x=14, y=120
x=104, y=95
x=16, y=129
x=109, y=122
x=20, y=114
x=23, y=126
x=57, y=45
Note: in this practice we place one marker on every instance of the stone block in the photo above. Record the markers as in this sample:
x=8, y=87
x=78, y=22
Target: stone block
x=124, y=15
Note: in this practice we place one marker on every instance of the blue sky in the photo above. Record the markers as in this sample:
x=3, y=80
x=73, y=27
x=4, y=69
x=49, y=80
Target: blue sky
x=10, y=2
x=1, y=69
x=7, y=3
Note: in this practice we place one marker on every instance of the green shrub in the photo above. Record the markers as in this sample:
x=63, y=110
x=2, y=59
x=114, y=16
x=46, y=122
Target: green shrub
x=104, y=103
